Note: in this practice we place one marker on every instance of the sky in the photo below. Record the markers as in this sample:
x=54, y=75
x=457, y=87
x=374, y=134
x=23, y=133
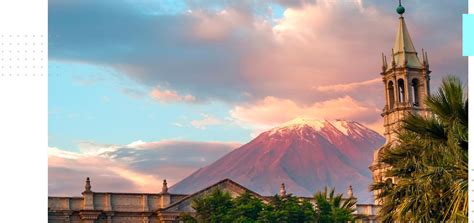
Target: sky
x=141, y=91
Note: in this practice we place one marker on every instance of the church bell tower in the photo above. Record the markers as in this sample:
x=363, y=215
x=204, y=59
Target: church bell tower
x=406, y=81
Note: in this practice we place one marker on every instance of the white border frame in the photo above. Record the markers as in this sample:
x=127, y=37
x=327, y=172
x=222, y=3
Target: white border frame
x=24, y=119
x=23, y=110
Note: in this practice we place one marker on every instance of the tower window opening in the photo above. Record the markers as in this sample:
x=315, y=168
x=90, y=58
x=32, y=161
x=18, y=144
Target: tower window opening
x=391, y=95
x=401, y=91
x=416, y=92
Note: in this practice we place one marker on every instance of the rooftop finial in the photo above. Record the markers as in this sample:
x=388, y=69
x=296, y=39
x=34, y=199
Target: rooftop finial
x=423, y=56
x=349, y=192
x=400, y=8
x=384, y=62
x=164, y=189
x=393, y=59
x=427, y=63
x=282, y=190
x=88, y=185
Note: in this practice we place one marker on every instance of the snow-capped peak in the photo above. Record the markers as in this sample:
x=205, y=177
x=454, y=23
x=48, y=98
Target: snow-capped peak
x=316, y=124
x=296, y=154
x=341, y=125
x=298, y=123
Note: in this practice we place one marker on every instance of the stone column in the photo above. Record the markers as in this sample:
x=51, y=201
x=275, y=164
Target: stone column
x=165, y=200
x=145, y=202
x=395, y=92
x=108, y=202
x=407, y=90
x=145, y=209
x=410, y=92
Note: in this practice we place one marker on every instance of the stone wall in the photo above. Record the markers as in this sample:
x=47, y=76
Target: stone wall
x=94, y=207
x=109, y=207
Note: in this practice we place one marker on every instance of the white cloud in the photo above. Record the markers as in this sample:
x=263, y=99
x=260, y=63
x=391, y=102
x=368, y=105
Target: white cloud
x=178, y=124
x=93, y=148
x=54, y=151
x=206, y=121
x=272, y=111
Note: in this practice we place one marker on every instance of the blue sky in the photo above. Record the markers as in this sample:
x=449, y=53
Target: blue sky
x=92, y=103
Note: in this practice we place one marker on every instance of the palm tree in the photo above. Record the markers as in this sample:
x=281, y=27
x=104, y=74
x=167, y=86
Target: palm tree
x=333, y=208
x=429, y=162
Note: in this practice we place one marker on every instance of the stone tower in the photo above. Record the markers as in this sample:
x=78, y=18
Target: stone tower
x=406, y=84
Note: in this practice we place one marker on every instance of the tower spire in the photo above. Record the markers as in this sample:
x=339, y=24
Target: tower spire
x=404, y=51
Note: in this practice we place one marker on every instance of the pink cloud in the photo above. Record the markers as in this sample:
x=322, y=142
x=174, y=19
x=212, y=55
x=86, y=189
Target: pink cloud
x=239, y=49
x=272, y=111
x=139, y=166
x=218, y=26
x=317, y=45
x=349, y=86
x=66, y=174
x=169, y=96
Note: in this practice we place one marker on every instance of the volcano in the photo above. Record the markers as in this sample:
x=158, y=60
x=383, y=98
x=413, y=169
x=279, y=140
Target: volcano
x=305, y=154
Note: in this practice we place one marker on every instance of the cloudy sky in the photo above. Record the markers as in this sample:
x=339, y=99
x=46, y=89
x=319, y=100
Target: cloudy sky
x=140, y=91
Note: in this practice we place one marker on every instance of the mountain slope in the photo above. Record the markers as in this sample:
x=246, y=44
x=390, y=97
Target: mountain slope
x=304, y=154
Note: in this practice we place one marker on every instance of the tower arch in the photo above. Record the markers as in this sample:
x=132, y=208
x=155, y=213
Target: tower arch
x=415, y=89
x=401, y=90
x=391, y=94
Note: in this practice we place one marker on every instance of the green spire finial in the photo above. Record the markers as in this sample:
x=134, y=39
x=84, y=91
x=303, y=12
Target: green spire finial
x=400, y=8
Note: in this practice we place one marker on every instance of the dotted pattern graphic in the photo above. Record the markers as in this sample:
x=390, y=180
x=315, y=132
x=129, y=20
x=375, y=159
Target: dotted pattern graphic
x=23, y=55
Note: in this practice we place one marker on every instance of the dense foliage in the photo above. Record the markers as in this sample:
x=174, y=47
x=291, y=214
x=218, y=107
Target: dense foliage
x=332, y=208
x=219, y=207
x=429, y=162
x=287, y=209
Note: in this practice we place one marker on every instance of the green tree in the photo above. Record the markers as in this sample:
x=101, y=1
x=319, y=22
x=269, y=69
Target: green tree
x=246, y=208
x=219, y=207
x=333, y=208
x=287, y=209
x=214, y=207
x=429, y=162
